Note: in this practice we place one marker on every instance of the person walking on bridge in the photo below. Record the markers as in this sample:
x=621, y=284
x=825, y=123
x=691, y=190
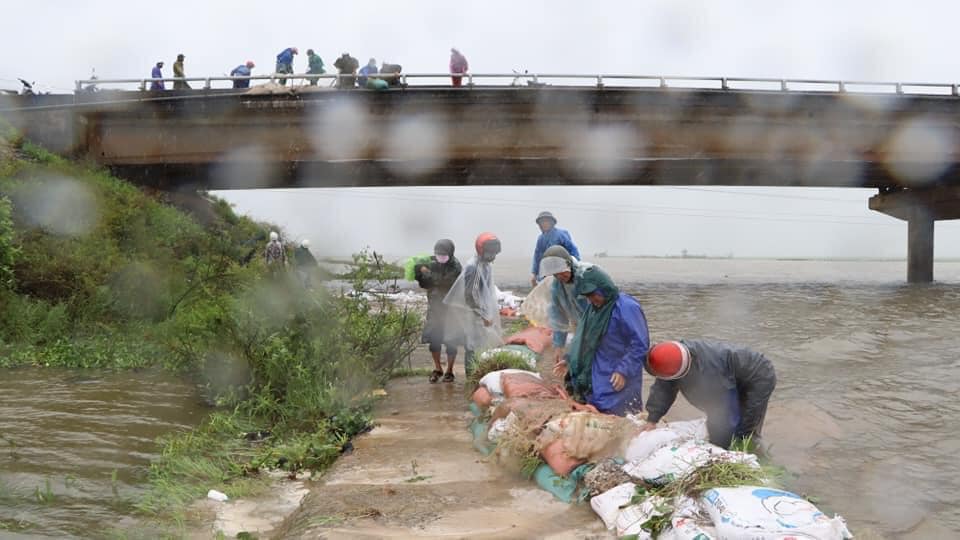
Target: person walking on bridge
x=604, y=366
x=305, y=263
x=157, y=73
x=179, y=74
x=731, y=383
x=315, y=64
x=347, y=68
x=366, y=71
x=243, y=70
x=550, y=235
x=458, y=66
x=285, y=62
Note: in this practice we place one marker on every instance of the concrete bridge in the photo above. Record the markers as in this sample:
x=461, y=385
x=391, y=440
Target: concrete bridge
x=900, y=138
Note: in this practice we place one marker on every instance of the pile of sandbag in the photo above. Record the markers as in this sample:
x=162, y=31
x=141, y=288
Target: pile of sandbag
x=668, y=454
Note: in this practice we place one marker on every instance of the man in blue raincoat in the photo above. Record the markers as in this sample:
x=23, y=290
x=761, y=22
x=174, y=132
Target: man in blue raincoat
x=285, y=61
x=157, y=73
x=605, y=361
x=550, y=235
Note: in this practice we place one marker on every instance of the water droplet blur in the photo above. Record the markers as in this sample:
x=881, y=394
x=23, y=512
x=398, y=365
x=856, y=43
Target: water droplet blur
x=920, y=150
x=60, y=205
x=416, y=145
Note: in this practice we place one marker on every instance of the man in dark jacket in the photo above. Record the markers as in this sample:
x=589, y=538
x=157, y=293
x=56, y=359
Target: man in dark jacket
x=179, y=73
x=437, y=279
x=304, y=262
x=732, y=384
x=285, y=61
x=347, y=68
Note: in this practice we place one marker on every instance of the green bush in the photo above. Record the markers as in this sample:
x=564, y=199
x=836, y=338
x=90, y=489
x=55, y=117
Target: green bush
x=8, y=250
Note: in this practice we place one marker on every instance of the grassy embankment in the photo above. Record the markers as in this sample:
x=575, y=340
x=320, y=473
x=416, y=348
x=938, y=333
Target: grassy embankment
x=95, y=273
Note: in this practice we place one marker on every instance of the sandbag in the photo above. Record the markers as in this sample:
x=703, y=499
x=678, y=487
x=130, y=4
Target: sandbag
x=607, y=505
x=492, y=381
x=564, y=489
x=647, y=442
x=482, y=397
x=500, y=426
x=762, y=513
x=537, y=339
x=688, y=522
x=691, y=429
x=605, y=475
x=558, y=459
x=676, y=461
x=479, y=430
x=517, y=385
x=587, y=435
x=631, y=519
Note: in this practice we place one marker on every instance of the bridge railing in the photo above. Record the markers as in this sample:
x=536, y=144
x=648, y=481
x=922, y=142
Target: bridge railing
x=613, y=80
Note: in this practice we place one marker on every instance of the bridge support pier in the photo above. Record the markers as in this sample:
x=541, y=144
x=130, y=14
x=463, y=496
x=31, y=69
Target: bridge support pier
x=920, y=208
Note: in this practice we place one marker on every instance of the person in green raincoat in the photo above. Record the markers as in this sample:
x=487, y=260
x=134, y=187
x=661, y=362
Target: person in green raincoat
x=604, y=365
x=315, y=64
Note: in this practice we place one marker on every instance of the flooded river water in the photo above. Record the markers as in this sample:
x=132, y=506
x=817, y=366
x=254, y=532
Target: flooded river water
x=75, y=446
x=865, y=413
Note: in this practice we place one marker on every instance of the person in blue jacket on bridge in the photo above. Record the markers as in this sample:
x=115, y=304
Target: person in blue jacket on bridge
x=550, y=235
x=604, y=365
x=285, y=61
x=157, y=73
x=242, y=70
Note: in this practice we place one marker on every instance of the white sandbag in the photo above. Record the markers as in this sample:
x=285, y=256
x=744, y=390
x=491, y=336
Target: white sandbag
x=647, y=442
x=691, y=429
x=689, y=522
x=762, y=513
x=676, y=461
x=500, y=426
x=607, y=505
x=492, y=380
x=631, y=519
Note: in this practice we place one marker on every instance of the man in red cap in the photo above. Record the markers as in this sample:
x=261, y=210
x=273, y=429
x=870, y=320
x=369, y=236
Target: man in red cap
x=732, y=384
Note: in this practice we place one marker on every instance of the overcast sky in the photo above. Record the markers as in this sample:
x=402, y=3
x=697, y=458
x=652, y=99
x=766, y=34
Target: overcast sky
x=57, y=42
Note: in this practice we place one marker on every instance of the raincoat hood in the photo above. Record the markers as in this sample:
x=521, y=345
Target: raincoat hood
x=555, y=259
x=444, y=247
x=591, y=328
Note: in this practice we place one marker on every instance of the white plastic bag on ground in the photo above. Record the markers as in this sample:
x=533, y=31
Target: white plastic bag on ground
x=631, y=519
x=676, y=461
x=492, y=380
x=500, y=426
x=607, y=504
x=642, y=445
x=762, y=513
x=691, y=429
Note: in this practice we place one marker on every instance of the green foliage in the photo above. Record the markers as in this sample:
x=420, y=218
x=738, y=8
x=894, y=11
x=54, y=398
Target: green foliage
x=8, y=249
x=495, y=362
x=145, y=284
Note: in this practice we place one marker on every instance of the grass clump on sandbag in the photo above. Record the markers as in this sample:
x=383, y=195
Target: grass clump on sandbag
x=495, y=362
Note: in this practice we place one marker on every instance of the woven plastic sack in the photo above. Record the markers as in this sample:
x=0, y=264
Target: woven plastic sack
x=559, y=460
x=762, y=513
x=493, y=380
x=647, y=442
x=674, y=462
x=525, y=385
x=520, y=351
x=607, y=505
x=630, y=520
x=587, y=435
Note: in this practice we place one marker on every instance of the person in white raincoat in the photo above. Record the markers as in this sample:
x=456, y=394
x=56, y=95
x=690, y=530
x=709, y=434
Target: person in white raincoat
x=473, y=302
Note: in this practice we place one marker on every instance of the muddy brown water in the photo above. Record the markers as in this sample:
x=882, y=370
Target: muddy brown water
x=75, y=446
x=865, y=415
